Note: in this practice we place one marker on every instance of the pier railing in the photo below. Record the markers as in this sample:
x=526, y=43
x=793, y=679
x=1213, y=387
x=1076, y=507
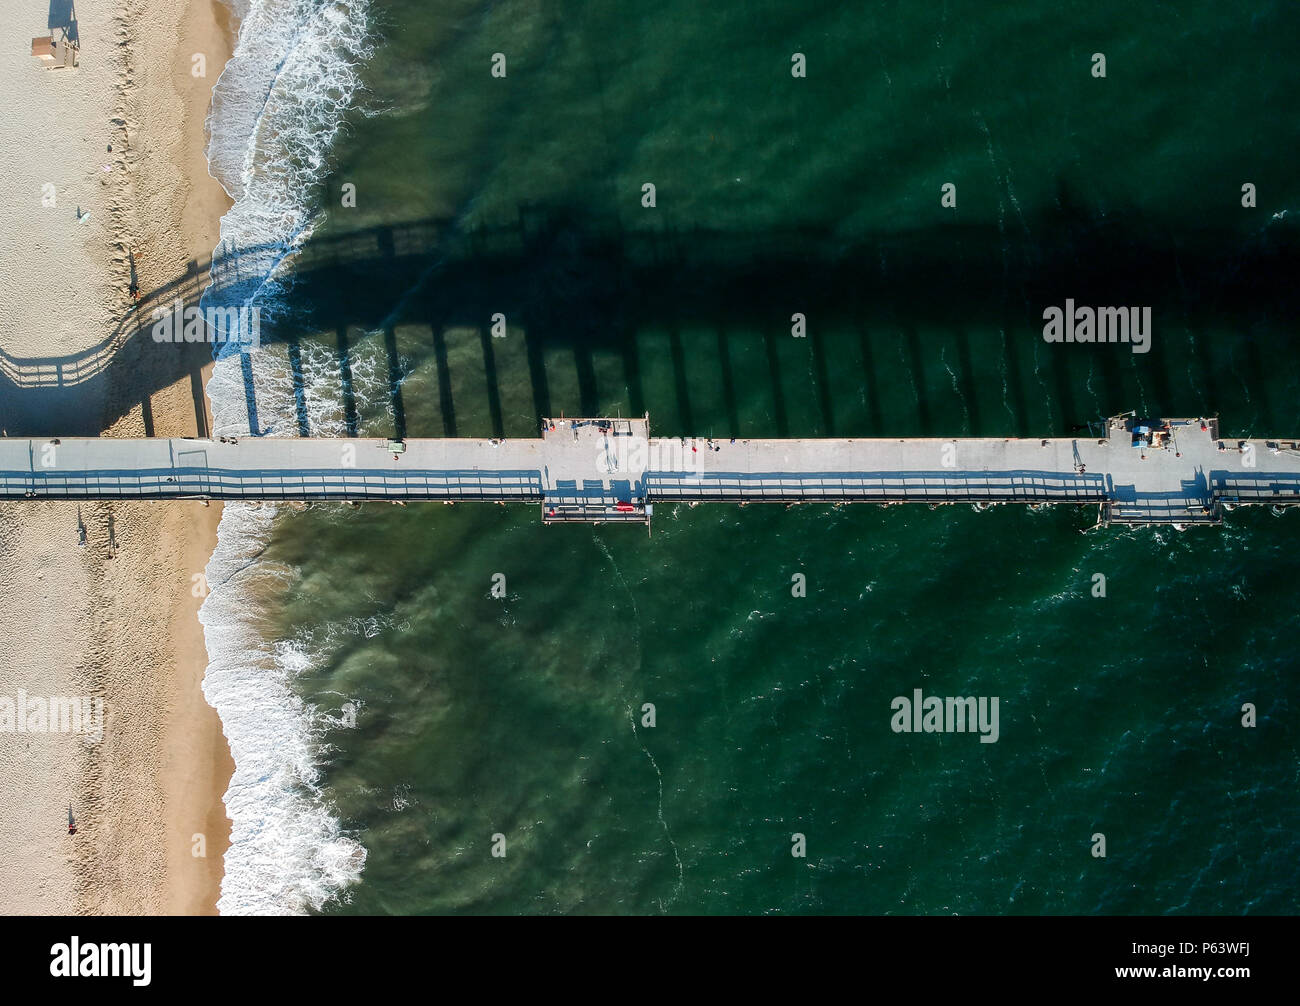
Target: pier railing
x=882, y=487
x=576, y=472
x=213, y=483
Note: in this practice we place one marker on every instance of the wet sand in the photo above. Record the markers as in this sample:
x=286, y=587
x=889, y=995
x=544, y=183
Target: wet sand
x=113, y=619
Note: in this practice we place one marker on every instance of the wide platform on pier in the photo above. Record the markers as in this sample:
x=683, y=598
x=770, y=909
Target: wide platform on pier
x=1136, y=471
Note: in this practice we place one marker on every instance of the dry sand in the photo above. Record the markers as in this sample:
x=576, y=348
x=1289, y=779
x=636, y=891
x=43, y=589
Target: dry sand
x=115, y=619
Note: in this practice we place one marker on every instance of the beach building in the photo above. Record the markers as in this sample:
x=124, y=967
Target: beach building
x=55, y=51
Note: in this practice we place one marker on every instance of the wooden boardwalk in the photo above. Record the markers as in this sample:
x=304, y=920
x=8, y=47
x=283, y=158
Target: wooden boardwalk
x=1178, y=472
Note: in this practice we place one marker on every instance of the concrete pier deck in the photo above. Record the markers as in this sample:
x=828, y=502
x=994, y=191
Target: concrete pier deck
x=610, y=469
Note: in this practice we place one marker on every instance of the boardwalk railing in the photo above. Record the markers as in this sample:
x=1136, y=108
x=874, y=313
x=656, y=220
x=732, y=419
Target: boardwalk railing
x=1183, y=511
x=833, y=487
x=1264, y=488
x=216, y=483
x=569, y=470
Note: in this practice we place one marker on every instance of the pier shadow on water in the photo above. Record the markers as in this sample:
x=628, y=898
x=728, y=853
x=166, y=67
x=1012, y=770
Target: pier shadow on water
x=936, y=332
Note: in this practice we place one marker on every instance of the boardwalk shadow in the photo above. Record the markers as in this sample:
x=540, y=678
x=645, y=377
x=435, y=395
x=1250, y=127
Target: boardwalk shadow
x=583, y=290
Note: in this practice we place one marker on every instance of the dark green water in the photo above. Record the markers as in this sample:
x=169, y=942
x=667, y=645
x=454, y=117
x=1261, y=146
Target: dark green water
x=521, y=716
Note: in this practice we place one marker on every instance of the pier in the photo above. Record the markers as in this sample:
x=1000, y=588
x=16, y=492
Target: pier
x=1135, y=471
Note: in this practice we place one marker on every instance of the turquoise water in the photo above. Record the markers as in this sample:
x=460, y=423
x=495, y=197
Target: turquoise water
x=440, y=716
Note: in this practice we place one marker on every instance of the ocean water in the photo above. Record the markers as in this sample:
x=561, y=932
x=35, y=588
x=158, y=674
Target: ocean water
x=389, y=717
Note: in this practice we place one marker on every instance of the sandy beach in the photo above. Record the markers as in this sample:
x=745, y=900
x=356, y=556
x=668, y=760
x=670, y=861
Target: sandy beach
x=104, y=180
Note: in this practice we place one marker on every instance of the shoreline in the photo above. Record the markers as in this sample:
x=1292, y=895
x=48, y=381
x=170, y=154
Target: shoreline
x=199, y=765
x=117, y=618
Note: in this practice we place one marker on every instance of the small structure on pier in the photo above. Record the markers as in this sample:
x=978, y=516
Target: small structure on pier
x=612, y=449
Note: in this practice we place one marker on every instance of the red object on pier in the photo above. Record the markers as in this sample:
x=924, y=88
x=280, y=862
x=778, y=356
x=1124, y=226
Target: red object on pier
x=625, y=508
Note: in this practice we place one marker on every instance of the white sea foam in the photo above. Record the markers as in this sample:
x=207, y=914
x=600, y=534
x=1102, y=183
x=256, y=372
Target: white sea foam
x=277, y=109
x=287, y=850
x=319, y=378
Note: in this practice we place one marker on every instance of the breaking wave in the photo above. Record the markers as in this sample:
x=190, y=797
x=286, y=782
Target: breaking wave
x=276, y=111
